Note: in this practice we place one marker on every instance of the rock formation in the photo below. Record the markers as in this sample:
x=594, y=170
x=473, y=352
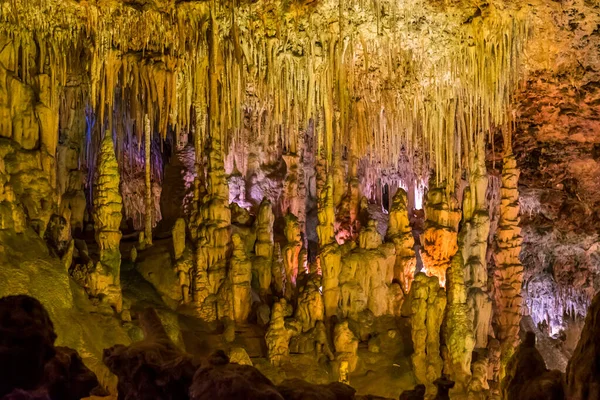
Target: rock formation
x=346, y=348
x=439, y=240
x=263, y=248
x=400, y=234
x=241, y=279
x=30, y=364
x=582, y=371
x=153, y=367
x=310, y=307
x=291, y=253
x=329, y=251
x=105, y=279
x=279, y=334
x=508, y=273
x=526, y=376
x=428, y=303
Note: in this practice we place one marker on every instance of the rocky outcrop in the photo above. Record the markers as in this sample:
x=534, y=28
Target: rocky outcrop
x=30, y=364
x=583, y=374
x=527, y=378
x=108, y=204
x=153, y=367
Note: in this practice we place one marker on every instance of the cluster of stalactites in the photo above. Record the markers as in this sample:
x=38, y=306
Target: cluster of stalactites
x=375, y=95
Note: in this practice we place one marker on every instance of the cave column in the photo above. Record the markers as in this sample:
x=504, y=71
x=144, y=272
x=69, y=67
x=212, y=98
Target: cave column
x=107, y=222
x=508, y=273
x=211, y=296
x=329, y=251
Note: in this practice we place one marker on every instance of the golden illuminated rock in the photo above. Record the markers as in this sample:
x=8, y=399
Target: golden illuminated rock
x=427, y=307
x=346, y=348
x=291, y=253
x=279, y=334
x=310, y=309
x=105, y=279
x=439, y=240
x=400, y=234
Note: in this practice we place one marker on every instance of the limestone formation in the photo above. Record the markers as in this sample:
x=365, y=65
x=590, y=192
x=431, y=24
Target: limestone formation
x=291, y=253
x=263, y=248
x=400, y=234
x=310, y=309
x=346, y=348
x=279, y=334
x=213, y=239
x=458, y=328
x=241, y=277
x=329, y=252
x=107, y=222
x=428, y=303
x=366, y=276
x=439, y=240
x=508, y=273
x=347, y=224
x=178, y=233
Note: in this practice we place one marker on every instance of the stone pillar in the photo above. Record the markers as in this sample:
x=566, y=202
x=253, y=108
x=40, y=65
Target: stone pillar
x=400, y=234
x=329, y=252
x=263, y=248
x=241, y=278
x=107, y=221
x=148, y=182
x=291, y=253
x=508, y=273
x=428, y=302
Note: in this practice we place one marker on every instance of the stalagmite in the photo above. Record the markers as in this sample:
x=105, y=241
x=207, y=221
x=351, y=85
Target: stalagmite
x=347, y=224
x=439, y=240
x=329, y=253
x=508, y=273
x=291, y=253
x=279, y=334
x=428, y=303
x=346, y=347
x=263, y=248
x=293, y=194
x=473, y=240
x=107, y=222
x=457, y=329
x=310, y=307
x=400, y=234
x=241, y=277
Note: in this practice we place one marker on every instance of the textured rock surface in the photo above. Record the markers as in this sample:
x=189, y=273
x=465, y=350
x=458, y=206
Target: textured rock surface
x=527, y=376
x=427, y=306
